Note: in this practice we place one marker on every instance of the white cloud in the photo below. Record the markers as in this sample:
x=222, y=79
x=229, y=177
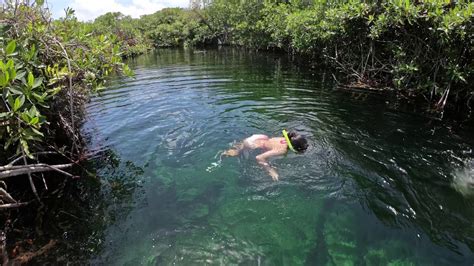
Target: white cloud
x=90, y=9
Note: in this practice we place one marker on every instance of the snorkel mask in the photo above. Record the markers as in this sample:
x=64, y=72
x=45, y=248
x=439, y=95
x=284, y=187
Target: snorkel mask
x=285, y=134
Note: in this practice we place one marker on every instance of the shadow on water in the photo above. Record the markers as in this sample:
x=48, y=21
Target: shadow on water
x=374, y=188
x=78, y=213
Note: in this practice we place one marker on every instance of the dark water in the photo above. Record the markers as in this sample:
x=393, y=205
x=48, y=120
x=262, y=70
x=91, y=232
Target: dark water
x=376, y=187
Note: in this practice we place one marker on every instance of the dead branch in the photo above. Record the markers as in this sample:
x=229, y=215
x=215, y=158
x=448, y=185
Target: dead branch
x=36, y=153
x=6, y=197
x=14, y=205
x=3, y=248
x=346, y=68
x=335, y=79
x=60, y=171
x=42, y=177
x=71, y=105
x=442, y=101
x=32, y=168
x=30, y=178
x=28, y=256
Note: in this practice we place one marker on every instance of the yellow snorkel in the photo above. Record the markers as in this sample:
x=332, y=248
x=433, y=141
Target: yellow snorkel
x=285, y=134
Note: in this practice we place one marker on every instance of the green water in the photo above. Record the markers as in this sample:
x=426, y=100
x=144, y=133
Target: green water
x=378, y=186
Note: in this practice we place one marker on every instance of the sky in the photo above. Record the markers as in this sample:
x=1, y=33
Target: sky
x=90, y=9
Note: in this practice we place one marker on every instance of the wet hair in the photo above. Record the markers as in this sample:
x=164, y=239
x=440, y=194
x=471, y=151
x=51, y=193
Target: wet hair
x=298, y=141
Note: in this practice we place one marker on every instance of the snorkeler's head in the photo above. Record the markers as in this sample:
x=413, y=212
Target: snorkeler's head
x=298, y=141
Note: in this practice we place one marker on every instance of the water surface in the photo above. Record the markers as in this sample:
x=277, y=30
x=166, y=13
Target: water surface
x=375, y=187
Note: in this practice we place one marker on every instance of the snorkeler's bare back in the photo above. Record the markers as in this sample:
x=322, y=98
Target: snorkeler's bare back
x=255, y=141
x=266, y=143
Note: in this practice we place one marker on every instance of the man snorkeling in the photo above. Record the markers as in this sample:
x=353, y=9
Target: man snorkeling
x=271, y=147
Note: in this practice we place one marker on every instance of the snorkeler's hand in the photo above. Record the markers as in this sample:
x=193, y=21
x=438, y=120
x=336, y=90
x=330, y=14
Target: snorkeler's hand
x=273, y=174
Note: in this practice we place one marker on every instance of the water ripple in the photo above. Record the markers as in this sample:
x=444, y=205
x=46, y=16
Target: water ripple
x=174, y=118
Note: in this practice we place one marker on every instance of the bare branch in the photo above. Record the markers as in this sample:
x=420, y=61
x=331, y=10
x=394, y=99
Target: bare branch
x=71, y=105
x=33, y=168
x=32, y=184
x=36, y=153
x=6, y=197
x=14, y=205
x=28, y=256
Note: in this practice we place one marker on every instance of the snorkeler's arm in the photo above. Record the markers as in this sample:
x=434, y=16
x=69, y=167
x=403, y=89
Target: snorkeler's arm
x=262, y=160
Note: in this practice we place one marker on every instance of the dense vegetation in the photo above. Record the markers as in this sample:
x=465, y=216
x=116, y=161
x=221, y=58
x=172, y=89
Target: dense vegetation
x=41, y=59
x=47, y=69
x=417, y=48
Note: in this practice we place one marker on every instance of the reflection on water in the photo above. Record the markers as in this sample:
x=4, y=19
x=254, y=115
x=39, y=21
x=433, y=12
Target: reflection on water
x=463, y=180
x=375, y=186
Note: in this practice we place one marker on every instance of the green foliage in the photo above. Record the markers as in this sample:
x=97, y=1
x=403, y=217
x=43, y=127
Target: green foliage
x=127, y=32
x=417, y=47
x=274, y=23
x=169, y=27
x=37, y=60
x=172, y=27
x=428, y=43
x=237, y=22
